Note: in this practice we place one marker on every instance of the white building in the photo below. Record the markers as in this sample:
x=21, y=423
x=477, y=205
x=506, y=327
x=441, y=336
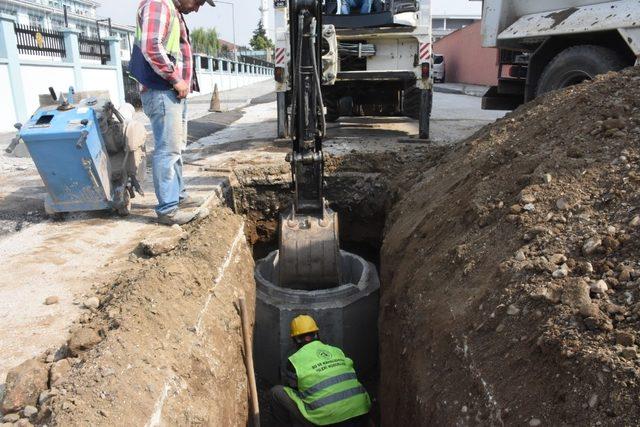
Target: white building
x=81, y=15
x=451, y=15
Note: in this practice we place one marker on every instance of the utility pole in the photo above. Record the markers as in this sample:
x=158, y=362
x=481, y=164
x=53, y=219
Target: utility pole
x=264, y=16
x=233, y=19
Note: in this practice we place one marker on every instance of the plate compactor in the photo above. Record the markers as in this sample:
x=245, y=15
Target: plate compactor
x=90, y=155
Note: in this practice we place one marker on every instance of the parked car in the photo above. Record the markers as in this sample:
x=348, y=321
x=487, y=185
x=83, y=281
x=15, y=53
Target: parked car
x=439, y=72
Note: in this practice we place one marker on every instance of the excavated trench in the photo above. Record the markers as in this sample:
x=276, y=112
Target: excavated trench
x=361, y=213
x=158, y=362
x=361, y=188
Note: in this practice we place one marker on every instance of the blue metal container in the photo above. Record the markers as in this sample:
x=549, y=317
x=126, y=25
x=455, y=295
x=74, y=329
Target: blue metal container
x=70, y=154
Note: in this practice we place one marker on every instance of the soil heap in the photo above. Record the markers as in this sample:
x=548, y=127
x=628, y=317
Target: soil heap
x=511, y=271
x=161, y=345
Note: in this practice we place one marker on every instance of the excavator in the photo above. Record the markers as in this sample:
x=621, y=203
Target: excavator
x=309, y=256
x=309, y=274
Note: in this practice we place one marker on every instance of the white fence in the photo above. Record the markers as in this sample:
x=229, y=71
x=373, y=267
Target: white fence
x=228, y=74
x=23, y=78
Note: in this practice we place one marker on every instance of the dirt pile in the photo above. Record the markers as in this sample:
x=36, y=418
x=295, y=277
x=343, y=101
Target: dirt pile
x=511, y=271
x=163, y=344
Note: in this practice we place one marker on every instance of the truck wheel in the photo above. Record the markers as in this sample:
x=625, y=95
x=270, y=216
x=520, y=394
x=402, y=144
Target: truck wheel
x=283, y=115
x=577, y=64
x=333, y=109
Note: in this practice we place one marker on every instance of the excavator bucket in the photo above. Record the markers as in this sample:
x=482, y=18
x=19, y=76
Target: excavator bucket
x=309, y=257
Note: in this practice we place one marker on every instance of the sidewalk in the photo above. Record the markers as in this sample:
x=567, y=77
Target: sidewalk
x=42, y=257
x=198, y=106
x=461, y=89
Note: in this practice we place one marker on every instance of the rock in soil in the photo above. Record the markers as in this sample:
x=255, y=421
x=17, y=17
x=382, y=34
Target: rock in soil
x=82, y=340
x=92, y=302
x=599, y=287
x=591, y=245
x=24, y=384
x=29, y=411
x=11, y=418
x=58, y=371
x=576, y=294
x=629, y=353
x=512, y=310
x=163, y=240
x=624, y=338
x=51, y=300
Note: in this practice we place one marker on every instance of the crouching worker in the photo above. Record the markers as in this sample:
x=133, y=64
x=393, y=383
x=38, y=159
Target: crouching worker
x=323, y=386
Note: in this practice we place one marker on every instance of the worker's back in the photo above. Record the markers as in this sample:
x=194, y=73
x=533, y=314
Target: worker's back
x=328, y=388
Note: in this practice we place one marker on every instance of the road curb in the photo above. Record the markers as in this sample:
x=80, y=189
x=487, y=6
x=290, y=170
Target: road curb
x=461, y=90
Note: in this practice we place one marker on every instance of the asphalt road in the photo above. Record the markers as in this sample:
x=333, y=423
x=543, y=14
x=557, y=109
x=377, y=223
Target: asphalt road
x=456, y=117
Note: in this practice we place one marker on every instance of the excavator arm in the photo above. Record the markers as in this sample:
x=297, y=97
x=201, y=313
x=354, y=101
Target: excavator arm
x=309, y=256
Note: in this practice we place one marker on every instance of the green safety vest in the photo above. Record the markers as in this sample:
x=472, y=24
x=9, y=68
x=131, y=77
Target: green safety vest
x=171, y=43
x=328, y=390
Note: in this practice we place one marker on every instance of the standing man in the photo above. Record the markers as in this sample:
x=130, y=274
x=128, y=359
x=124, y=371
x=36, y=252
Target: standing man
x=162, y=63
x=362, y=6
x=323, y=386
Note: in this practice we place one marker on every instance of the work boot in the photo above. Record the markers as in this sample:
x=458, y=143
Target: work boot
x=178, y=216
x=191, y=202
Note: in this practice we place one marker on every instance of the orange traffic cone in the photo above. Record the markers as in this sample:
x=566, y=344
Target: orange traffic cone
x=215, y=101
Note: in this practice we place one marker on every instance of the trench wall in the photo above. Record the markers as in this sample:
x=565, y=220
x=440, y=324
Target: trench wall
x=172, y=347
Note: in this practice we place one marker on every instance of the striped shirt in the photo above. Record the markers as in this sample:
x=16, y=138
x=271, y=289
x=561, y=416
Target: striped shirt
x=154, y=19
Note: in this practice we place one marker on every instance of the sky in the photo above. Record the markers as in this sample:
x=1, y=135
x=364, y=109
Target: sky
x=456, y=7
x=220, y=17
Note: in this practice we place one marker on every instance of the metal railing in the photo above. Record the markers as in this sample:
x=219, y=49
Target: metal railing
x=37, y=41
x=255, y=61
x=94, y=48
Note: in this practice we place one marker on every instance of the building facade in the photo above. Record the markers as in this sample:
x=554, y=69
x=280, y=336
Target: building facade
x=451, y=15
x=81, y=15
x=466, y=61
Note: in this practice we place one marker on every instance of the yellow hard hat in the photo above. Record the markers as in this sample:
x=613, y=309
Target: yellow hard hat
x=302, y=325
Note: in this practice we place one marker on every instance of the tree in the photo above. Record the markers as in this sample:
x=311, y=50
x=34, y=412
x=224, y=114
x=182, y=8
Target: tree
x=205, y=41
x=260, y=41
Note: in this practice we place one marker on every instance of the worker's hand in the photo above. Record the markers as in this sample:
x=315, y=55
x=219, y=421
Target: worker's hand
x=182, y=88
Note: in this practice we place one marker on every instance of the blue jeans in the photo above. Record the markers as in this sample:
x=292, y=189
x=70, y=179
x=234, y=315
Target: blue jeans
x=168, y=116
x=365, y=6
